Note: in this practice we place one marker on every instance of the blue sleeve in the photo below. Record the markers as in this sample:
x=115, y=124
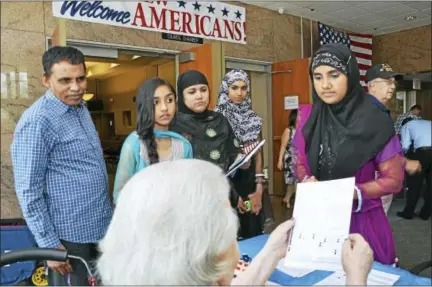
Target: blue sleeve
x=126, y=166
x=188, y=150
x=30, y=150
x=405, y=138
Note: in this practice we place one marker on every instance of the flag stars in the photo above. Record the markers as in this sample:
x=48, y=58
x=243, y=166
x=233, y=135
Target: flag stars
x=181, y=4
x=197, y=6
x=225, y=12
x=211, y=9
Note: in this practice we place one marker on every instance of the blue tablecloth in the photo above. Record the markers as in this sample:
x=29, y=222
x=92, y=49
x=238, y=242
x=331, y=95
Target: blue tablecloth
x=252, y=246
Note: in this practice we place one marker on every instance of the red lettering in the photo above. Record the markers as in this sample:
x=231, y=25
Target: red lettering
x=203, y=26
x=139, y=13
x=174, y=21
x=157, y=20
x=237, y=29
x=187, y=18
x=229, y=29
x=244, y=31
x=157, y=2
x=216, y=28
x=197, y=24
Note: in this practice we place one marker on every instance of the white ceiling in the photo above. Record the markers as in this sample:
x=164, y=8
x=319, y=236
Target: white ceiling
x=368, y=17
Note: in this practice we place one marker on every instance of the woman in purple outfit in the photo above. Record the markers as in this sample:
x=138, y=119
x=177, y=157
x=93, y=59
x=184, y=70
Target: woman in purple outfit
x=346, y=135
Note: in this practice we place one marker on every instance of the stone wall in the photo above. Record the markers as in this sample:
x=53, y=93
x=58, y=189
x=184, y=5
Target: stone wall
x=405, y=51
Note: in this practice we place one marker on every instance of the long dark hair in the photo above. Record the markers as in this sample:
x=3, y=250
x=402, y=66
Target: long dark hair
x=146, y=114
x=292, y=118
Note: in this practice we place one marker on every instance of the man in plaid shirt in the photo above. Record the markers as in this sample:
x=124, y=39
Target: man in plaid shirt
x=414, y=113
x=60, y=173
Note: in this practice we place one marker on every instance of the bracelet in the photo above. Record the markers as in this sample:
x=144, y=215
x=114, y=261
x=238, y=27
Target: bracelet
x=259, y=180
x=259, y=175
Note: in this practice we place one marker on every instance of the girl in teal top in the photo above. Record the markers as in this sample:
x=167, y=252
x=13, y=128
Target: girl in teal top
x=151, y=142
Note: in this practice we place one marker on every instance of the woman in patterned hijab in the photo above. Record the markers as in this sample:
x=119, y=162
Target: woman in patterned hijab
x=235, y=104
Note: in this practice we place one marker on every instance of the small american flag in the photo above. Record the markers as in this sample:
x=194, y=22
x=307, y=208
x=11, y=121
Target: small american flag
x=360, y=44
x=249, y=146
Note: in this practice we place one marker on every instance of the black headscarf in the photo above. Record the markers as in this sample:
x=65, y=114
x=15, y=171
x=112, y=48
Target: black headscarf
x=340, y=138
x=184, y=81
x=209, y=132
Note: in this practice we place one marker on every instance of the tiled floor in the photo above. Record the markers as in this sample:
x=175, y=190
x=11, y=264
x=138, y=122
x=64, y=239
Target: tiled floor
x=412, y=237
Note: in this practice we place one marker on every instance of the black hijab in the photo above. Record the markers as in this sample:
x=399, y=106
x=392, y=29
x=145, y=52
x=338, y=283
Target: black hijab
x=209, y=132
x=340, y=138
x=184, y=81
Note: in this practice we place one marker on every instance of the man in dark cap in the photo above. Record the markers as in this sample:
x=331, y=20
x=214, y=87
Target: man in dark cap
x=382, y=82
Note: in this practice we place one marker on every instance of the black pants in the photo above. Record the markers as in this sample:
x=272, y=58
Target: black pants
x=250, y=224
x=79, y=275
x=415, y=183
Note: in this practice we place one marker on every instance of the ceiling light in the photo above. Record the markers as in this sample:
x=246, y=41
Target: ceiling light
x=410, y=18
x=136, y=57
x=114, y=65
x=88, y=97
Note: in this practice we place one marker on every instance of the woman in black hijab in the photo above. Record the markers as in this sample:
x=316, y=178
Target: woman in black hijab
x=346, y=135
x=209, y=132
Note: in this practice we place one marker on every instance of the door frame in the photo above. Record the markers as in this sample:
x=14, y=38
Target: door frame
x=110, y=50
x=265, y=68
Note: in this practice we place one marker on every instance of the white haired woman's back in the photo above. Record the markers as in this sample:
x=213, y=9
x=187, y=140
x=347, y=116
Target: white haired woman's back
x=172, y=225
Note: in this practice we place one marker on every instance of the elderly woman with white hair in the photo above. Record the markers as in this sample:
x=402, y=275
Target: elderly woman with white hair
x=173, y=225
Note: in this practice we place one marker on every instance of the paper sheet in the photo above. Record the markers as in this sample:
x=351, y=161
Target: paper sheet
x=242, y=160
x=322, y=214
x=375, y=278
x=269, y=283
x=293, y=272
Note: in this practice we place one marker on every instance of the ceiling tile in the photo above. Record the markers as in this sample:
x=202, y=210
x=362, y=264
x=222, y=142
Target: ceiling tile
x=302, y=3
x=348, y=13
x=353, y=27
x=326, y=18
x=354, y=3
x=377, y=6
x=367, y=18
x=427, y=11
x=326, y=7
x=419, y=5
x=259, y=3
x=381, y=24
x=419, y=16
x=396, y=11
x=306, y=13
x=420, y=23
x=286, y=5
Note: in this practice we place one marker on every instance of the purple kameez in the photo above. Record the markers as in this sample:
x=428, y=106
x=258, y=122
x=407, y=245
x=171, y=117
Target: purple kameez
x=368, y=216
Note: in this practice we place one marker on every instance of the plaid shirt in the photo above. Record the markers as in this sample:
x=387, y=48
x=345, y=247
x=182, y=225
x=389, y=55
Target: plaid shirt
x=400, y=119
x=60, y=173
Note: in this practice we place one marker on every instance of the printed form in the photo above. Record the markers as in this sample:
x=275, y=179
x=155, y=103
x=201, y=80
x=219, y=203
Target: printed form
x=322, y=213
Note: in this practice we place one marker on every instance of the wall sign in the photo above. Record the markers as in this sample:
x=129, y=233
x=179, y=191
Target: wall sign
x=291, y=102
x=416, y=84
x=208, y=20
x=182, y=38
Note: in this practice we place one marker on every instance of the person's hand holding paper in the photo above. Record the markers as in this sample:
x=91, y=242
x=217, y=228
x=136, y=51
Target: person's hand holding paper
x=357, y=259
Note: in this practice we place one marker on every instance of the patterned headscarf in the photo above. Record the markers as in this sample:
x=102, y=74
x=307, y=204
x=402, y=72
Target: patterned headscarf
x=245, y=122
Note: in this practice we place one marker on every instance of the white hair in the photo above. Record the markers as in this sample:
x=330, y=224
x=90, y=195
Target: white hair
x=171, y=226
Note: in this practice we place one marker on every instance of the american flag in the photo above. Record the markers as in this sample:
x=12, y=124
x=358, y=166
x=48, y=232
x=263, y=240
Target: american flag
x=360, y=44
x=249, y=147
